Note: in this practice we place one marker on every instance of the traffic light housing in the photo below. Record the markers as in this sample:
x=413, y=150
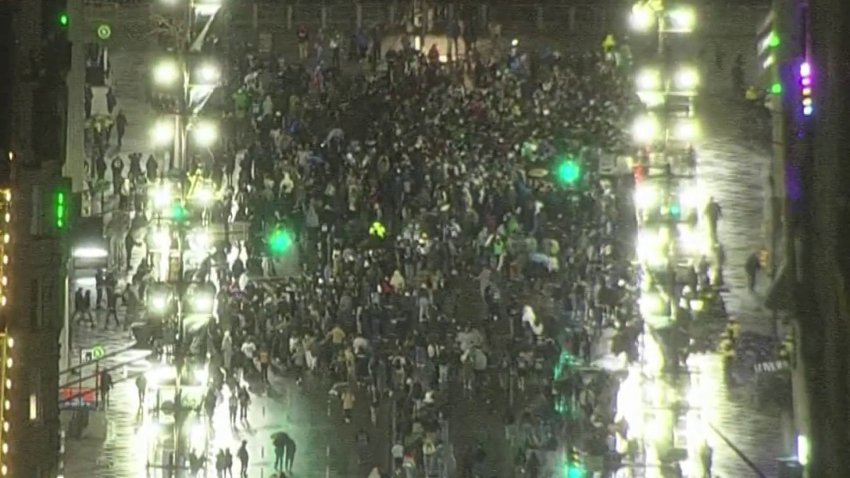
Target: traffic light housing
x=279, y=241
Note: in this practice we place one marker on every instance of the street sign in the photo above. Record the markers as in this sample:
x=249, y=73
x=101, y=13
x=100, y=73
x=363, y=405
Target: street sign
x=92, y=354
x=104, y=31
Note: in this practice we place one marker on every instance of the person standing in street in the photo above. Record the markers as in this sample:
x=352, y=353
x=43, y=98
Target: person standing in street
x=290, y=452
x=244, y=401
x=234, y=408
x=753, y=266
x=141, y=387
x=120, y=127
x=228, y=463
x=264, y=364
x=279, y=443
x=242, y=454
x=105, y=387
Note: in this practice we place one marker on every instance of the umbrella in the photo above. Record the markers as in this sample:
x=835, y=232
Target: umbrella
x=538, y=173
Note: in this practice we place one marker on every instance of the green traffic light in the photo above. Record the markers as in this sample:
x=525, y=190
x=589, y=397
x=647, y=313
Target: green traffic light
x=178, y=212
x=773, y=40
x=776, y=88
x=575, y=471
x=60, y=210
x=675, y=210
x=569, y=172
x=63, y=19
x=280, y=240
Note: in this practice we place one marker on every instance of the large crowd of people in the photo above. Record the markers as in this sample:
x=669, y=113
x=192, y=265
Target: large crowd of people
x=442, y=257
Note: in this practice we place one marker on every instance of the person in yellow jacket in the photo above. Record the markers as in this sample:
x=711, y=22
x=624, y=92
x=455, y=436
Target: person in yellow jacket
x=726, y=349
x=733, y=331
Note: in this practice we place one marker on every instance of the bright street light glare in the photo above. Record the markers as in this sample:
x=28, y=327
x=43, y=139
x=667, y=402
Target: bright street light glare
x=645, y=129
x=651, y=99
x=204, y=194
x=642, y=18
x=166, y=73
x=651, y=304
x=208, y=74
x=158, y=302
x=651, y=246
x=200, y=241
x=205, y=133
x=162, y=133
x=683, y=19
x=645, y=197
x=691, y=197
x=202, y=303
x=686, y=78
x=693, y=240
x=160, y=195
x=90, y=253
x=648, y=79
x=685, y=130
x=161, y=239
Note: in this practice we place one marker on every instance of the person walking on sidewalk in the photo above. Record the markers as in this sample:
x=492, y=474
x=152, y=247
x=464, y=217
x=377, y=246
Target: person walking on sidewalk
x=242, y=454
x=753, y=266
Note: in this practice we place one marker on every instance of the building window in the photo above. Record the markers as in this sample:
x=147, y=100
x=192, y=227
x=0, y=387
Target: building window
x=36, y=305
x=35, y=391
x=33, y=407
x=37, y=217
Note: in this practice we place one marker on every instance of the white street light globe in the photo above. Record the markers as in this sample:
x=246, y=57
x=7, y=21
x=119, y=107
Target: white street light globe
x=205, y=133
x=645, y=129
x=686, y=79
x=683, y=19
x=642, y=18
x=162, y=133
x=208, y=74
x=648, y=79
x=166, y=73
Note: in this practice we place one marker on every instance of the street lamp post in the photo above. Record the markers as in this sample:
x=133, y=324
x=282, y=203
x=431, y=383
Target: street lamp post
x=187, y=80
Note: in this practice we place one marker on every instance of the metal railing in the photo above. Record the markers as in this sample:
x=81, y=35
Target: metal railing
x=78, y=383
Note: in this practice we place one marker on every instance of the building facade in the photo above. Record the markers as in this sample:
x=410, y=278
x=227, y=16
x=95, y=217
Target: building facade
x=33, y=106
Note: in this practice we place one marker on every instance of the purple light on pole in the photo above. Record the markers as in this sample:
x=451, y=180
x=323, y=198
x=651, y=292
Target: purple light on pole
x=806, y=92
